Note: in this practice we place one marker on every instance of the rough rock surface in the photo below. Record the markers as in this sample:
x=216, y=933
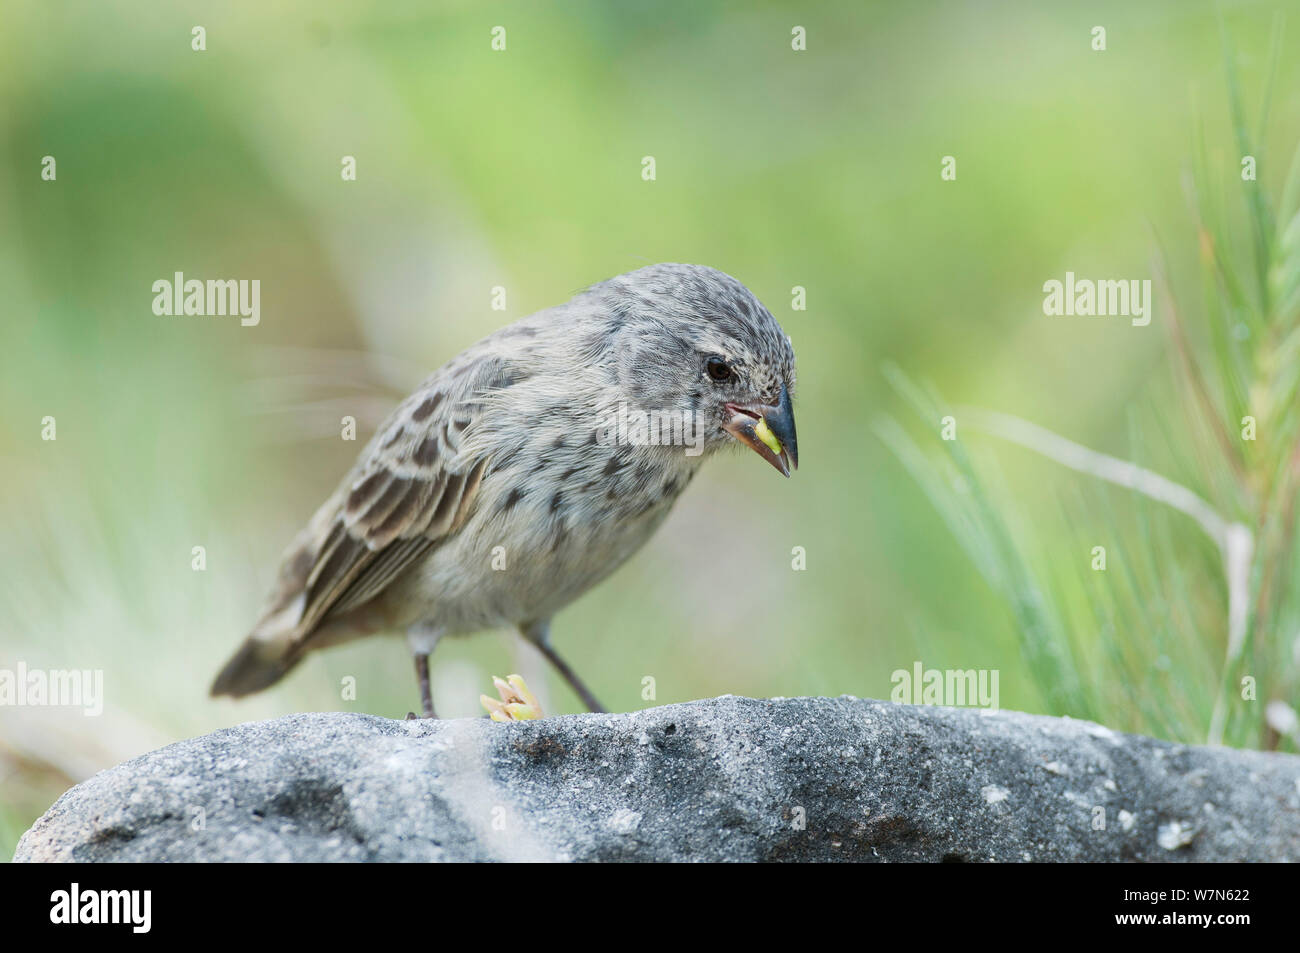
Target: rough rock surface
x=722, y=779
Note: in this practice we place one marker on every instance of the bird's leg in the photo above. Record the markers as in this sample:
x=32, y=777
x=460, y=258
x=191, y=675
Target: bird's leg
x=426, y=697
x=539, y=633
x=571, y=677
x=422, y=640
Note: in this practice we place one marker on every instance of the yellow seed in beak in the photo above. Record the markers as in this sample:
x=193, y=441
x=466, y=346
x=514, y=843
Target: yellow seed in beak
x=765, y=434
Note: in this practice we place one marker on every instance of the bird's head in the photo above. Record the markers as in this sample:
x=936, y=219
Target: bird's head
x=691, y=339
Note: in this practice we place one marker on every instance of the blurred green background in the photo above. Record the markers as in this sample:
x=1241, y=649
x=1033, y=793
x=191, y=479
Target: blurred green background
x=523, y=169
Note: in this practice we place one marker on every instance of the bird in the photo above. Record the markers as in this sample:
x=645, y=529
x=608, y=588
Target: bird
x=527, y=469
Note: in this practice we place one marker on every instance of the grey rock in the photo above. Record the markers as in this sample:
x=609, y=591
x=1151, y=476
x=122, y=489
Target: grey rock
x=726, y=779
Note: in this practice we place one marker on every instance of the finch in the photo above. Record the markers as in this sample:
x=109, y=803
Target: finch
x=528, y=468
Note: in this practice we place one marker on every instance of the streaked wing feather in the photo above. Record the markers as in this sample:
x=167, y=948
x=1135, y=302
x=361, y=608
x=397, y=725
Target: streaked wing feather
x=410, y=490
x=379, y=571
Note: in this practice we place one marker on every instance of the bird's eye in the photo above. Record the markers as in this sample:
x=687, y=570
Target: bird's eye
x=718, y=369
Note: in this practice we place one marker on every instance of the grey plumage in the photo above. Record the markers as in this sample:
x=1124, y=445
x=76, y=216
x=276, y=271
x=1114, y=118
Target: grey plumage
x=492, y=496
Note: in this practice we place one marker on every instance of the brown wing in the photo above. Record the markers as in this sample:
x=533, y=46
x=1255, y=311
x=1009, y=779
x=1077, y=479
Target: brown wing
x=412, y=487
x=415, y=484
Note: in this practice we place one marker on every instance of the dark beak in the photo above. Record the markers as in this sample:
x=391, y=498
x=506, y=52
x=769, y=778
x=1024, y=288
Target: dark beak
x=761, y=426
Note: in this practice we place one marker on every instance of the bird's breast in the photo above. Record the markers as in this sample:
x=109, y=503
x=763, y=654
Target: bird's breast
x=545, y=529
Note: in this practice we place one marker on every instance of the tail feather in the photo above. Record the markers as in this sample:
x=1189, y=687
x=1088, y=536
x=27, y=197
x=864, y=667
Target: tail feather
x=265, y=657
x=275, y=645
x=257, y=664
